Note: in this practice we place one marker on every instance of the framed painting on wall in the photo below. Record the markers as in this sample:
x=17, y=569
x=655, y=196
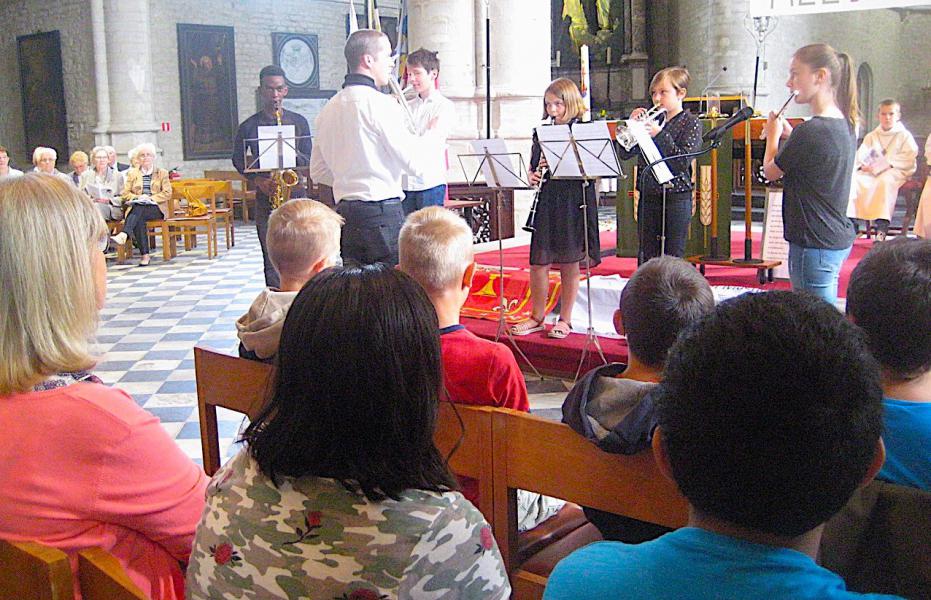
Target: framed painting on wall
x=209, y=115
x=45, y=121
x=297, y=55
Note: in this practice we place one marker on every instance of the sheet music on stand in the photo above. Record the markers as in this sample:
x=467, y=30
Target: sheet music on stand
x=651, y=153
x=596, y=149
x=276, y=147
x=497, y=165
x=556, y=144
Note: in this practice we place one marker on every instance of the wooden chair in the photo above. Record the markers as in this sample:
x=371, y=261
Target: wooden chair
x=31, y=570
x=217, y=195
x=188, y=227
x=548, y=457
x=241, y=194
x=231, y=382
x=102, y=577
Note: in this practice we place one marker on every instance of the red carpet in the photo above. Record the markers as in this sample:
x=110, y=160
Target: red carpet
x=561, y=357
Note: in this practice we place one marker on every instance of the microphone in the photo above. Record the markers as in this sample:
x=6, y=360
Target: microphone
x=739, y=117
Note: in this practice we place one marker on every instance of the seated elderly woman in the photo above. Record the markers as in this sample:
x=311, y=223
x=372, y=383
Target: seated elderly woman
x=78, y=162
x=104, y=184
x=44, y=160
x=145, y=197
x=340, y=492
x=5, y=169
x=81, y=464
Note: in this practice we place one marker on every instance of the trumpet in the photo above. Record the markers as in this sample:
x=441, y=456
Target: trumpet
x=625, y=133
x=284, y=179
x=402, y=100
x=782, y=110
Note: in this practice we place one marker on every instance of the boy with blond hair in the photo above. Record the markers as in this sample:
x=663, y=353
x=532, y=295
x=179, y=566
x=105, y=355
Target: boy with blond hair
x=435, y=248
x=303, y=239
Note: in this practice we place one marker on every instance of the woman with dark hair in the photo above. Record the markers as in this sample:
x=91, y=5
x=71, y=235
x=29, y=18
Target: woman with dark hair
x=340, y=492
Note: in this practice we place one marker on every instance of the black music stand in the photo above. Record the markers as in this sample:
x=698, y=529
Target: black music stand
x=500, y=173
x=593, y=156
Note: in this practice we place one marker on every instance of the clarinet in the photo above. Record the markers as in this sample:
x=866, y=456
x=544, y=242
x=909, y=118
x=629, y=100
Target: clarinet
x=530, y=225
x=532, y=216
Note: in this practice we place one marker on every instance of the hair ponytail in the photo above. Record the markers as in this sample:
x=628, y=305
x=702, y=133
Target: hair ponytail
x=840, y=67
x=847, y=90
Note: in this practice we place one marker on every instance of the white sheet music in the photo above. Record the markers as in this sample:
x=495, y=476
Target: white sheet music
x=268, y=147
x=596, y=150
x=650, y=152
x=499, y=170
x=555, y=143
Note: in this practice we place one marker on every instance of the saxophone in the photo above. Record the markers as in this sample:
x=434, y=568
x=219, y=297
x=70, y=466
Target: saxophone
x=285, y=179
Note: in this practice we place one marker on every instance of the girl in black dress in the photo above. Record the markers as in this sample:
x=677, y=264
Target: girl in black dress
x=680, y=134
x=559, y=235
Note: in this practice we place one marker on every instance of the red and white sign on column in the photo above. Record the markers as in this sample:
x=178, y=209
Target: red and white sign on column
x=166, y=126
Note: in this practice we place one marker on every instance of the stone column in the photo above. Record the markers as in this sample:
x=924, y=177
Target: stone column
x=126, y=110
x=520, y=69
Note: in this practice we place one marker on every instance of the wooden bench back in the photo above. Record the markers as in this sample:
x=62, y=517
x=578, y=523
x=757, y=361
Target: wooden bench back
x=465, y=431
x=102, y=577
x=544, y=456
x=35, y=571
x=245, y=385
x=231, y=382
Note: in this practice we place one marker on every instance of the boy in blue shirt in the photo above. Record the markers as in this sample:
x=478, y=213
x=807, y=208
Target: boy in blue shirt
x=889, y=297
x=769, y=419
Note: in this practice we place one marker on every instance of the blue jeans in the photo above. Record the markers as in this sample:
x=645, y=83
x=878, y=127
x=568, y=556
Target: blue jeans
x=816, y=270
x=423, y=198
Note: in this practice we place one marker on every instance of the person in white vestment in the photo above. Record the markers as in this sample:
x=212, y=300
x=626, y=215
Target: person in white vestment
x=885, y=160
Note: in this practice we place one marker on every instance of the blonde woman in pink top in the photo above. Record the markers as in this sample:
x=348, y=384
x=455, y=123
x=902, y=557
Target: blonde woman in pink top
x=81, y=464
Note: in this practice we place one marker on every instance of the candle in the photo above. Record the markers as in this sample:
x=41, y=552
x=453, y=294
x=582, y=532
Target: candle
x=608, y=55
x=586, y=85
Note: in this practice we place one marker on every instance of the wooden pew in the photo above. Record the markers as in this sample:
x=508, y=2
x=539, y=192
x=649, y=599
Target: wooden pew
x=35, y=571
x=463, y=433
x=548, y=457
x=102, y=577
x=241, y=194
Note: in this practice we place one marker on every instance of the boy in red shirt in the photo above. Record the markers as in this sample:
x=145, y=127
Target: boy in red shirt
x=435, y=248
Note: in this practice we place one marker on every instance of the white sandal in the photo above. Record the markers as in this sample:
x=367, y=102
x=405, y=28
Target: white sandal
x=527, y=326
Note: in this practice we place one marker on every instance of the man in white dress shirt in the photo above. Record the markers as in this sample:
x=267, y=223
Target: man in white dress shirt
x=423, y=67
x=885, y=160
x=362, y=148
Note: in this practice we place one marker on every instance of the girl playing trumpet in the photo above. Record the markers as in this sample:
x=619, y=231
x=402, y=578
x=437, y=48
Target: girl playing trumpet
x=680, y=134
x=558, y=236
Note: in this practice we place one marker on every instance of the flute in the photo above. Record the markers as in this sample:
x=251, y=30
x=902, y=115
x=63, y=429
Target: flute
x=782, y=110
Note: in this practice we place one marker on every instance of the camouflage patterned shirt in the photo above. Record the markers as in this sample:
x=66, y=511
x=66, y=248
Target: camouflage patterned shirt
x=312, y=538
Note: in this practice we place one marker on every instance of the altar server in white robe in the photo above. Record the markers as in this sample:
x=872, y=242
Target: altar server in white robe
x=923, y=218
x=885, y=160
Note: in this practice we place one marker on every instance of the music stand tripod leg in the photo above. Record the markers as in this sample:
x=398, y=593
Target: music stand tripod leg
x=502, y=304
x=590, y=337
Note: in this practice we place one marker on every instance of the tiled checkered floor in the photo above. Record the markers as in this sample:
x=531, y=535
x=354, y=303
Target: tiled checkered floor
x=155, y=316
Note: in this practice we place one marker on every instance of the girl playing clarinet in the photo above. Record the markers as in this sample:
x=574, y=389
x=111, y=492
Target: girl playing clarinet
x=816, y=162
x=680, y=134
x=559, y=235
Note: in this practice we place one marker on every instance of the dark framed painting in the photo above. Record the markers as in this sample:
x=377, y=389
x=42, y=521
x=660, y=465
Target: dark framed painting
x=297, y=55
x=209, y=116
x=45, y=121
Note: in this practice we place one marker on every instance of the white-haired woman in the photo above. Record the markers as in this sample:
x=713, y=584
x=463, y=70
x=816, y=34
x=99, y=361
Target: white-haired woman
x=81, y=464
x=104, y=184
x=44, y=160
x=145, y=196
